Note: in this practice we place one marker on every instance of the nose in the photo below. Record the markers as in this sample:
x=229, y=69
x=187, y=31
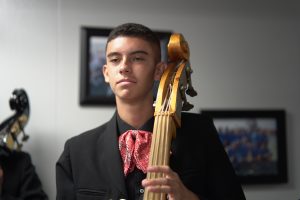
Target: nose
x=125, y=66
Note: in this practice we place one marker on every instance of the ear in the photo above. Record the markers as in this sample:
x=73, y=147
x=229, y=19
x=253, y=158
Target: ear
x=105, y=73
x=159, y=70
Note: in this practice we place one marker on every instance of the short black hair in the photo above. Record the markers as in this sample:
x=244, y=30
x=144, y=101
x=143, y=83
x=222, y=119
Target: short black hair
x=137, y=31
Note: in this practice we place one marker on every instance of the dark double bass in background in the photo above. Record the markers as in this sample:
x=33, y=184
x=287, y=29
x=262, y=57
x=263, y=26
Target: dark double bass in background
x=13, y=127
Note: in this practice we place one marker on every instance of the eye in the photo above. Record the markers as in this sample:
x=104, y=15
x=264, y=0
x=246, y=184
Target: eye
x=114, y=60
x=138, y=59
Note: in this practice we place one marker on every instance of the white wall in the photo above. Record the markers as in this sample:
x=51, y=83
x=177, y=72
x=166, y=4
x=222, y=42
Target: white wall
x=244, y=55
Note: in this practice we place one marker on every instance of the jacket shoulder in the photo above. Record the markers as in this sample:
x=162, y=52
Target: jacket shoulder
x=87, y=137
x=195, y=118
x=16, y=156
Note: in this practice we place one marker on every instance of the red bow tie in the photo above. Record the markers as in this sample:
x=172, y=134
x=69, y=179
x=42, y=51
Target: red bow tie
x=134, y=146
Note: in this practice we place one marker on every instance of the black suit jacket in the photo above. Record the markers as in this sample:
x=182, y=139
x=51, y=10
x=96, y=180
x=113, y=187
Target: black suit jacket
x=21, y=181
x=90, y=166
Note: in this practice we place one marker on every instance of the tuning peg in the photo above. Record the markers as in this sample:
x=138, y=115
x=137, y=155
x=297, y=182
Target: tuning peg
x=25, y=136
x=187, y=106
x=19, y=145
x=190, y=90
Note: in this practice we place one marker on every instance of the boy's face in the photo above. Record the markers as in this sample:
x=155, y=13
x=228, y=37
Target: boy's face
x=131, y=68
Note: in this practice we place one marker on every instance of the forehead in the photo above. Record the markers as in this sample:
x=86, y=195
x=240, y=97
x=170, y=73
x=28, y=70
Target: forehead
x=124, y=44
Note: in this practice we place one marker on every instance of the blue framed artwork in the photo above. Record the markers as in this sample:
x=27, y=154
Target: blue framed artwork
x=255, y=142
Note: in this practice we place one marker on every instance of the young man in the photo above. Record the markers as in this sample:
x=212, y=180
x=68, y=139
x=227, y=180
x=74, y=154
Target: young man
x=91, y=165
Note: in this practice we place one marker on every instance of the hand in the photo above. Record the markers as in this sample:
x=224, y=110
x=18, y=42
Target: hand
x=1, y=179
x=170, y=184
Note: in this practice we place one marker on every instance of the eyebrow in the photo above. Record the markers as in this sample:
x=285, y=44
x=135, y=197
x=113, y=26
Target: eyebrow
x=131, y=53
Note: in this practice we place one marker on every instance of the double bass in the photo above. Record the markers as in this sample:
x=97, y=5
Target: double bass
x=12, y=127
x=171, y=99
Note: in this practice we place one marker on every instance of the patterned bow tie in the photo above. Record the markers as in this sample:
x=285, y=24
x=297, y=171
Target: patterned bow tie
x=134, y=146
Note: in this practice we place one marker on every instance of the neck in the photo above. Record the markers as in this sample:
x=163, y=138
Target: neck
x=135, y=114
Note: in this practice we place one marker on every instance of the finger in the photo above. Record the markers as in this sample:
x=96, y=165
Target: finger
x=157, y=181
x=159, y=169
x=160, y=189
x=166, y=170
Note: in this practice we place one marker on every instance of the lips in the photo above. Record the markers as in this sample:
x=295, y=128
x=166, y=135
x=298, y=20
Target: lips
x=126, y=80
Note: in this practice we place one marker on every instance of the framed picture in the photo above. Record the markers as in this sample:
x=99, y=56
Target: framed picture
x=93, y=88
x=255, y=142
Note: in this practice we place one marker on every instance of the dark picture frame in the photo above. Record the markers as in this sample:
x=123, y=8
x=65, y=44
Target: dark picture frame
x=93, y=89
x=255, y=142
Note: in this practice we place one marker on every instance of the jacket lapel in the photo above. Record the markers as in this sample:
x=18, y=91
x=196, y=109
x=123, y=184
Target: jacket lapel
x=112, y=162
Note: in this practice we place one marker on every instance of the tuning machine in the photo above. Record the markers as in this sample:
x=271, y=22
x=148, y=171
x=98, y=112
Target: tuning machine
x=190, y=89
x=185, y=105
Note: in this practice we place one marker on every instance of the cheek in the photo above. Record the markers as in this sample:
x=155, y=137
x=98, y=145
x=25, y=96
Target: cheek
x=148, y=77
x=108, y=75
x=145, y=72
